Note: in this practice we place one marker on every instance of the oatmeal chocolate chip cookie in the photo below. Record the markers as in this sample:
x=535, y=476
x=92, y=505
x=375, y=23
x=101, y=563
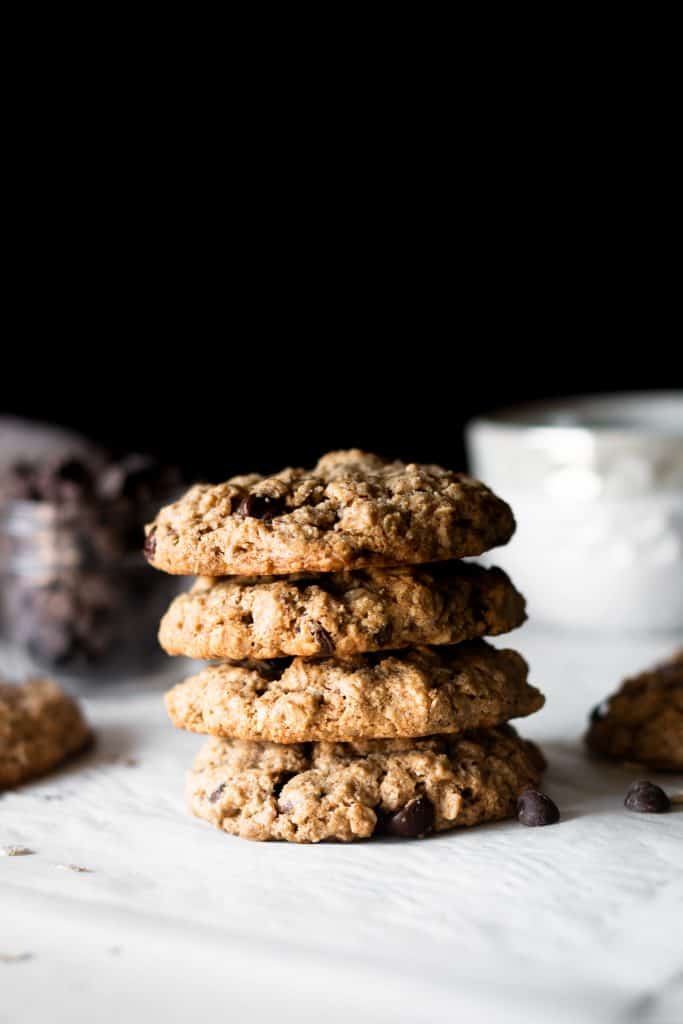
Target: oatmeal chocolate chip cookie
x=40, y=726
x=340, y=613
x=413, y=692
x=353, y=510
x=643, y=721
x=309, y=792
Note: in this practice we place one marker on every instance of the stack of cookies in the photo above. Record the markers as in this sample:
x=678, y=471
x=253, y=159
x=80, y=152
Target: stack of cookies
x=354, y=695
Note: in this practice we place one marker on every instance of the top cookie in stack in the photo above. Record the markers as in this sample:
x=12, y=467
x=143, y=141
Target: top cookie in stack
x=353, y=510
x=321, y=591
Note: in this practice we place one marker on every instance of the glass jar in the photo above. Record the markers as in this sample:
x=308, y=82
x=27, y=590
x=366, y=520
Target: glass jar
x=77, y=597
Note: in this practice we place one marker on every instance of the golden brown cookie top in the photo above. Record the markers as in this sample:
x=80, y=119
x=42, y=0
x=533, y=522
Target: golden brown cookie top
x=352, y=510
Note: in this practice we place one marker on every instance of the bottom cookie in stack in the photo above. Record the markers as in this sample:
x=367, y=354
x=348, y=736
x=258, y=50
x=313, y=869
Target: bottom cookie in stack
x=308, y=792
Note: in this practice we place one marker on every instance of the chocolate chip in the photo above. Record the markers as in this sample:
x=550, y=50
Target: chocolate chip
x=534, y=809
x=260, y=506
x=645, y=798
x=216, y=795
x=322, y=638
x=599, y=711
x=150, y=544
x=415, y=819
x=281, y=782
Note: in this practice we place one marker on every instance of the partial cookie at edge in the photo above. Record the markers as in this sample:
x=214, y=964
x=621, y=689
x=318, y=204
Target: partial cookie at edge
x=40, y=726
x=643, y=721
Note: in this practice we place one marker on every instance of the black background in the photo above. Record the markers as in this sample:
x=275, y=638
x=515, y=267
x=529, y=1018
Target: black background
x=250, y=299
x=238, y=406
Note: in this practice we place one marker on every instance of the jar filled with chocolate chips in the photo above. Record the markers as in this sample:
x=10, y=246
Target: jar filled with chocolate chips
x=76, y=594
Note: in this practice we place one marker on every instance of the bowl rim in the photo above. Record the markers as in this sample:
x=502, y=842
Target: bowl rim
x=555, y=415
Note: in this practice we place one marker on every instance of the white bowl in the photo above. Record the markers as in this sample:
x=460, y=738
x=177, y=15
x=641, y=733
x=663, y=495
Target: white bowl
x=596, y=484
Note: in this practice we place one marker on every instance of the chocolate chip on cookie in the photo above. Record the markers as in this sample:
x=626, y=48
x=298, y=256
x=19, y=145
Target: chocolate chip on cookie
x=415, y=819
x=150, y=544
x=322, y=638
x=260, y=506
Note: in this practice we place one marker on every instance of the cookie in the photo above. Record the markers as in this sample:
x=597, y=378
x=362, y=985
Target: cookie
x=305, y=793
x=40, y=726
x=643, y=721
x=353, y=510
x=340, y=613
x=413, y=692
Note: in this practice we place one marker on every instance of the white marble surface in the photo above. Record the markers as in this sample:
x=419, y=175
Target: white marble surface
x=176, y=922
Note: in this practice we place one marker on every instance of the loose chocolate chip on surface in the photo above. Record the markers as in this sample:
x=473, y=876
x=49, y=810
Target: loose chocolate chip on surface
x=260, y=506
x=535, y=809
x=322, y=638
x=216, y=793
x=415, y=819
x=644, y=797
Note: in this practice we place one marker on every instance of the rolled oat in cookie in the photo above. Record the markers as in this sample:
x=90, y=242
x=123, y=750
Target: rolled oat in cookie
x=412, y=692
x=306, y=793
x=352, y=510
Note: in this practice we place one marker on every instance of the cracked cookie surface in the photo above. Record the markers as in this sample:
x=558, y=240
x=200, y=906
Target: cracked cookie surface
x=643, y=721
x=340, y=613
x=352, y=510
x=40, y=726
x=305, y=793
x=412, y=692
